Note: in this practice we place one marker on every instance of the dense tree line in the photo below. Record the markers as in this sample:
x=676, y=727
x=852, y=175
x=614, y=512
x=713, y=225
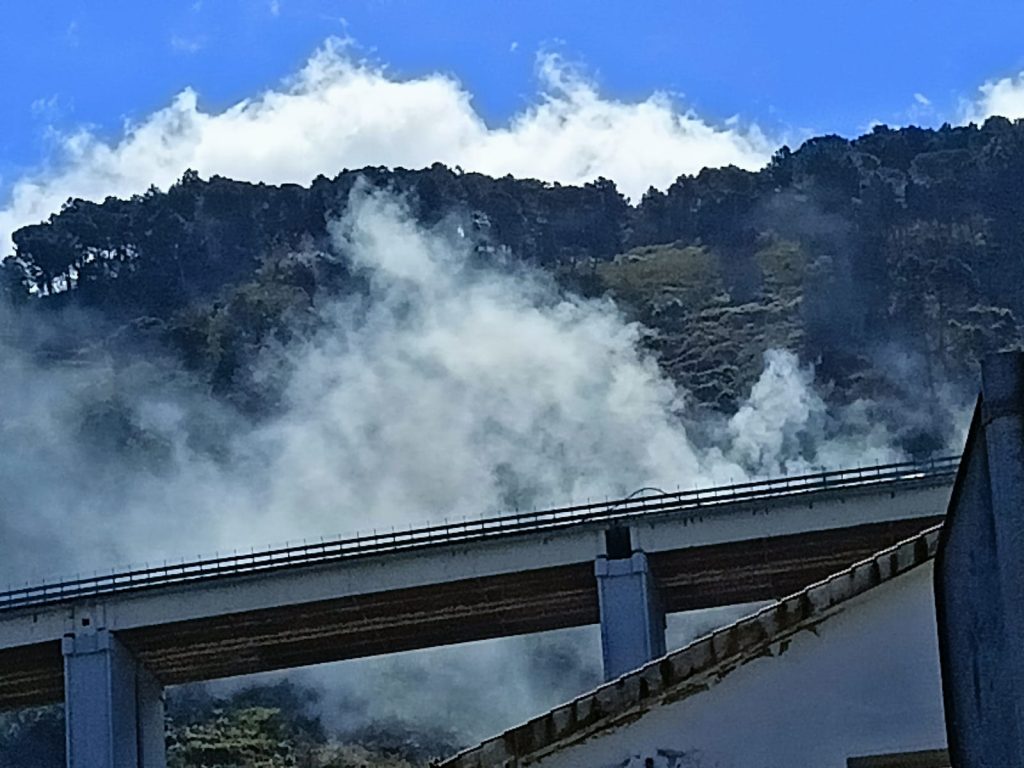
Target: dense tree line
x=157, y=252
x=912, y=234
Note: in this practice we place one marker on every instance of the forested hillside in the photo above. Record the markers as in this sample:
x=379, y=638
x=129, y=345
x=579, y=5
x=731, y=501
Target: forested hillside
x=889, y=259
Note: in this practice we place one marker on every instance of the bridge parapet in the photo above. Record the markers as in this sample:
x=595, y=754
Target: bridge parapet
x=619, y=512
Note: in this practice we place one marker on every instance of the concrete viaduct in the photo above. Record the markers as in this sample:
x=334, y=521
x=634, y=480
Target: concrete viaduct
x=107, y=645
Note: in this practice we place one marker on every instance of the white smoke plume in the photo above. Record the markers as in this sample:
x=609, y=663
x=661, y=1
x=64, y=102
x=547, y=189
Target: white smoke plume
x=785, y=426
x=479, y=689
x=454, y=388
x=342, y=112
x=475, y=690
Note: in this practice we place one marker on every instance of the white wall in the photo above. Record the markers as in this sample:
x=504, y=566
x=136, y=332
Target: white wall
x=868, y=682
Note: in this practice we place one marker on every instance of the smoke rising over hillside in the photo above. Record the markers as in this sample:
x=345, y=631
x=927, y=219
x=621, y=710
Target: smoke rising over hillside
x=453, y=388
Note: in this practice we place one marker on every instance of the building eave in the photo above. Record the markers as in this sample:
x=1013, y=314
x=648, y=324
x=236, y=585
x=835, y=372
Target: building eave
x=698, y=666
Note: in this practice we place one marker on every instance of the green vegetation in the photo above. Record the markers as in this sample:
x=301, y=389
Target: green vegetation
x=263, y=727
x=688, y=274
x=842, y=250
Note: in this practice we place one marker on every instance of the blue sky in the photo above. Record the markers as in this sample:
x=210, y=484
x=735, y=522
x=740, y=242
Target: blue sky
x=794, y=69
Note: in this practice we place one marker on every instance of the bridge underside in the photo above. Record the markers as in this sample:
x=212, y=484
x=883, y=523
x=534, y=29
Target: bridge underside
x=458, y=611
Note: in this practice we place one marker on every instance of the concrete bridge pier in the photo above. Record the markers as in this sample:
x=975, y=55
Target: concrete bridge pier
x=113, y=707
x=632, y=617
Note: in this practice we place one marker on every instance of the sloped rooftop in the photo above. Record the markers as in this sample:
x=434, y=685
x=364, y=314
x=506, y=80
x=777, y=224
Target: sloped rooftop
x=696, y=667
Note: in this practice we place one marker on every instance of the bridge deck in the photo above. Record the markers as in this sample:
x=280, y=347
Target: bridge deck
x=464, y=581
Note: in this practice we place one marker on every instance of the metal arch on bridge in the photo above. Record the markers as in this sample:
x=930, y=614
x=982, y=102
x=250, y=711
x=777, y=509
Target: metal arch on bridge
x=439, y=585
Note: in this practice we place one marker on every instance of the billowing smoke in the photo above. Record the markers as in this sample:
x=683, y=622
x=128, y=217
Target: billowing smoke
x=475, y=690
x=459, y=388
x=479, y=689
x=101, y=459
x=785, y=426
x=456, y=386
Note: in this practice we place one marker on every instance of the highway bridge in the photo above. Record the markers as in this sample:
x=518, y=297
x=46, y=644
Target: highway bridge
x=623, y=564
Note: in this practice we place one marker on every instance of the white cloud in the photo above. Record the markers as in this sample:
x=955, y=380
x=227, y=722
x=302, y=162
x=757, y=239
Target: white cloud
x=45, y=108
x=1004, y=97
x=186, y=45
x=923, y=100
x=339, y=112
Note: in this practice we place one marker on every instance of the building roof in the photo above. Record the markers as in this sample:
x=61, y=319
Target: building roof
x=696, y=667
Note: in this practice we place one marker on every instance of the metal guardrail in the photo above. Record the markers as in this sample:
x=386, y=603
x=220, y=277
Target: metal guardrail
x=621, y=510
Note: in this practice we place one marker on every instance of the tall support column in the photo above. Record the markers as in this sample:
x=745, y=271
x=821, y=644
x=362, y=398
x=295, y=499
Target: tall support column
x=113, y=707
x=632, y=618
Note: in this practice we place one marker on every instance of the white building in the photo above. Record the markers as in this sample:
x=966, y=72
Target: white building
x=844, y=674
